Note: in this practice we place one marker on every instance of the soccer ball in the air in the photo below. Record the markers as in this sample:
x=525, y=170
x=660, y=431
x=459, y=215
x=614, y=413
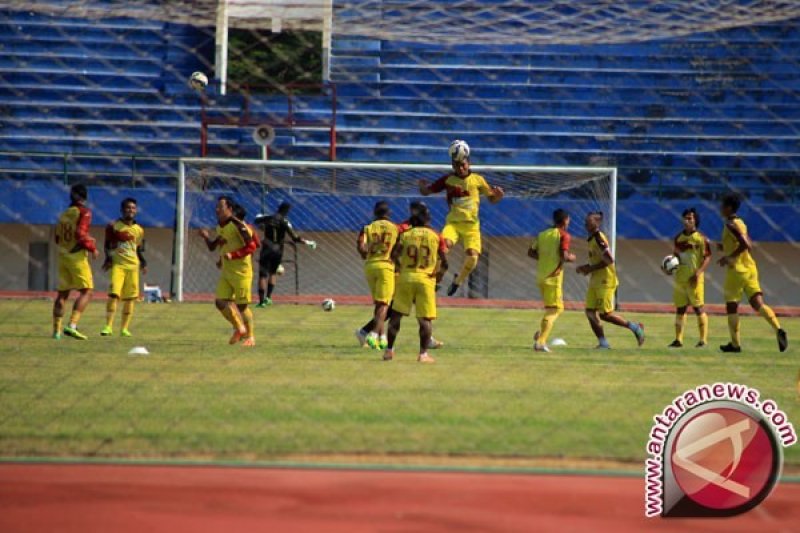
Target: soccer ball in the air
x=198, y=81
x=328, y=304
x=459, y=150
x=280, y=270
x=670, y=264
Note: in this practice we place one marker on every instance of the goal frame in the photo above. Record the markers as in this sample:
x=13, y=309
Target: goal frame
x=180, y=206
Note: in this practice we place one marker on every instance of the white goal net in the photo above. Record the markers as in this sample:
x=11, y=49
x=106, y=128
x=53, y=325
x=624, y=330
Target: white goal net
x=333, y=200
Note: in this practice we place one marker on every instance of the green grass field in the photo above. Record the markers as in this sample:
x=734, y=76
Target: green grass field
x=308, y=390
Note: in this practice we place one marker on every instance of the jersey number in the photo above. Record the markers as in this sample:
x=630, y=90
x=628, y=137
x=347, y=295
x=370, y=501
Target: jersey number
x=380, y=243
x=420, y=256
x=64, y=232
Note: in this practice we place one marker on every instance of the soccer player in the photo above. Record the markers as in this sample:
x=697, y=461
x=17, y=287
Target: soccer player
x=275, y=228
x=375, y=244
x=551, y=250
x=464, y=189
x=123, y=248
x=742, y=276
x=602, y=284
x=234, y=239
x=420, y=254
x=694, y=251
x=363, y=332
x=75, y=245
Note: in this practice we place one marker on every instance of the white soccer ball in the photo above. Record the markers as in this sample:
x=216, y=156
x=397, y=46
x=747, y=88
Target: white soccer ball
x=459, y=150
x=328, y=304
x=280, y=270
x=670, y=264
x=198, y=81
x=558, y=342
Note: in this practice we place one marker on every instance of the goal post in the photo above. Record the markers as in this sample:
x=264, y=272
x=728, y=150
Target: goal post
x=333, y=200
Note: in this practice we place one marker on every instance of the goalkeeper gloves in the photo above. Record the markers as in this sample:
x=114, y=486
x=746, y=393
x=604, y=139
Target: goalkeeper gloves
x=311, y=244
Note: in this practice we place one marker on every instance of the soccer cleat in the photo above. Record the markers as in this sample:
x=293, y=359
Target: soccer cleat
x=730, y=348
x=57, y=335
x=603, y=345
x=783, y=340
x=267, y=301
x=237, y=336
x=125, y=333
x=249, y=342
x=700, y=344
x=433, y=344
x=451, y=290
x=425, y=358
x=106, y=331
x=261, y=305
x=74, y=333
x=373, y=341
x=639, y=332
x=388, y=355
x=362, y=337
x=676, y=344
x=540, y=348
x=383, y=343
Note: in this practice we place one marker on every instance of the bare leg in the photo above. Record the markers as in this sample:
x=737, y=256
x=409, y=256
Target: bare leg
x=394, y=328
x=425, y=331
x=380, y=317
x=595, y=324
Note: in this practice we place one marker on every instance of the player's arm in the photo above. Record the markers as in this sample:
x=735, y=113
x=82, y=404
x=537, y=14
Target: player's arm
x=361, y=244
x=426, y=189
x=494, y=194
x=140, y=254
x=247, y=238
x=533, y=251
x=109, y=243
x=676, y=249
x=706, y=257
x=442, y=264
x=744, y=244
x=397, y=252
x=210, y=243
x=566, y=255
x=83, y=240
x=297, y=238
x=606, y=259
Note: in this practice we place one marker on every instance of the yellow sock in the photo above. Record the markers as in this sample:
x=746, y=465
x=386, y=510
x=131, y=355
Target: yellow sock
x=127, y=313
x=733, y=327
x=702, y=325
x=57, y=324
x=680, y=324
x=548, y=321
x=470, y=262
x=111, y=309
x=247, y=314
x=74, y=317
x=769, y=315
x=233, y=317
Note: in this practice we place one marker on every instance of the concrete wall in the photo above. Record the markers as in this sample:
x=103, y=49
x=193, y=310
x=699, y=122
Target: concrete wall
x=335, y=268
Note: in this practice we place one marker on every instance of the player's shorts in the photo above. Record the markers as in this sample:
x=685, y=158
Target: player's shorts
x=600, y=298
x=124, y=282
x=738, y=282
x=552, y=295
x=74, y=272
x=381, y=281
x=420, y=292
x=235, y=288
x=269, y=261
x=467, y=232
x=685, y=294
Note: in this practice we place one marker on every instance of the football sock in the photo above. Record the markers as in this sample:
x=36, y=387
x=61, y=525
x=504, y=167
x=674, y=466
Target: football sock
x=261, y=294
x=470, y=262
x=702, y=325
x=247, y=314
x=270, y=288
x=57, y=324
x=127, y=313
x=111, y=309
x=74, y=318
x=232, y=317
x=680, y=323
x=769, y=315
x=733, y=328
x=548, y=321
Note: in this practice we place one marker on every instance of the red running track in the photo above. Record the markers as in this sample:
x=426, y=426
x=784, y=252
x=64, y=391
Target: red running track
x=83, y=498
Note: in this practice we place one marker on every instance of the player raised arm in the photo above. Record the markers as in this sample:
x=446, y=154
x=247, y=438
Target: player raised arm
x=744, y=243
x=426, y=189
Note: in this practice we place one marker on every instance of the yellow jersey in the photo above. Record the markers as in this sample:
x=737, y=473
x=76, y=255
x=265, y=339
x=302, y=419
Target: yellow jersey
x=605, y=277
x=744, y=261
x=692, y=250
x=122, y=242
x=72, y=233
x=236, y=235
x=463, y=195
x=420, y=253
x=551, y=245
x=380, y=237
